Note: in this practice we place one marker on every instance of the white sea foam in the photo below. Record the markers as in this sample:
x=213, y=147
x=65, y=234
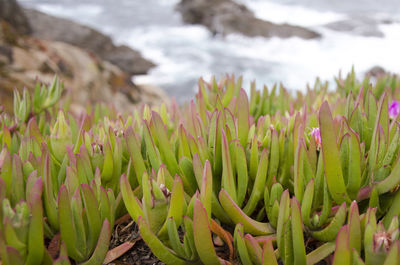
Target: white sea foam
x=184, y=53
x=291, y=14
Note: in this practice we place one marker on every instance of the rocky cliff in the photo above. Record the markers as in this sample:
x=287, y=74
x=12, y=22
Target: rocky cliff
x=91, y=66
x=226, y=16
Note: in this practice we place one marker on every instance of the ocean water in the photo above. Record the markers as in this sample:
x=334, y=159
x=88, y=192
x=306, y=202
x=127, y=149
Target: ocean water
x=183, y=53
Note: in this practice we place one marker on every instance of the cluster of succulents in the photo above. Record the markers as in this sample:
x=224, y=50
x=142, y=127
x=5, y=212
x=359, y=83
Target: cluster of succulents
x=270, y=178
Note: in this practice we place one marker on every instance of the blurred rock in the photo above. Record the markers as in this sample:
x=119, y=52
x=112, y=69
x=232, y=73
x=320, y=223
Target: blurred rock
x=88, y=78
x=226, y=17
x=363, y=26
x=11, y=12
x=58, y=29
x=376, y=72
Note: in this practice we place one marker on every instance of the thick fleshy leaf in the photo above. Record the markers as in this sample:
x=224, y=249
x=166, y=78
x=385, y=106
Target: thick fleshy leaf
x=333, y=170
x=320, y=253
x=342, y=253
x=132, y=204
x=67, y=228
x=135, y=153
x=259, y=184
x=268, y=254
x=354, y=231
x=156, y=246
x=242, y=174
x=227, y=181
x=240, y=245
x=238, y=216
x=93, y=216
x=102, y=245
x=242, y=117
x=330, y=232
x=299, y=250
x=202, y=235
x=36, y=234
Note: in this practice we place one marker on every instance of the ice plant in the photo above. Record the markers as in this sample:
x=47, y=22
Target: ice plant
x=60, y=137
x=21, y=233
x=296, y=178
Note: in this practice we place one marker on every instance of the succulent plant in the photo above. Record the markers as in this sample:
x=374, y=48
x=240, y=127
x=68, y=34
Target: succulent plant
x=272, y=177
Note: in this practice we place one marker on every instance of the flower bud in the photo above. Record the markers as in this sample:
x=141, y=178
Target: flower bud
x=60, y=137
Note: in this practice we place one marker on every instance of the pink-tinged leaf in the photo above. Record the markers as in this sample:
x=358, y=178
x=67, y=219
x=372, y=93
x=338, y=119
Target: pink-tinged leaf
x=240, y=245
x=354, y=162
x=228, y=181
x=393, y=257
x=342, y=253
x=198, y=169
x=132, y=204
x=299, y=250
x=238, y=216
x=206, y=190
x=36, y=234
x=268, y=254
x=243, y=125
x=93, y=216
x=283, y=218
x=49, y=202
x=151, y=149
x=135, y=153
x=381, y=123
x=242, y=174
x=253, y=164
x=255, y=251
x=299, y=177
x=14, y=256
x=391, y=181
x=107, y=171
x=354, y=227
x=320, y=253
x=184, y=149
x=67, y=227
x=160, y=133
x=18, y=183
x=156, y=246
x=84, y=166
x=306, y=204
x=259, y=184
x=329, y=232
x=333, y=169
x=202, y=235
x=102, y=245
x=176, y=204
x=5, y=170
x=188, y=177
x=274, y=158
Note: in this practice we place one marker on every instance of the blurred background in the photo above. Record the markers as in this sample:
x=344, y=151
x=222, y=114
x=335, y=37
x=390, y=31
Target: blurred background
x=288, y=41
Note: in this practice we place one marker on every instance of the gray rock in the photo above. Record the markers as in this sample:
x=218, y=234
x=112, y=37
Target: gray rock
x=362, y=26
x=226, y=17
x=376, y=71
x=58, y=29
x=11, y=13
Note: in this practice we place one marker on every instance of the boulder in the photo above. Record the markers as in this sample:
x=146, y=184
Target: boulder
x=226, y=16
x=88, y=79
x=11, y=13
x=376, y=72
x=361, y=25
x=58, y=29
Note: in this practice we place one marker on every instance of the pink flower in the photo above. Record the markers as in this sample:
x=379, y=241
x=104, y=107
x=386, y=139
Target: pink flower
x=317, y=136
x=394, y=109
